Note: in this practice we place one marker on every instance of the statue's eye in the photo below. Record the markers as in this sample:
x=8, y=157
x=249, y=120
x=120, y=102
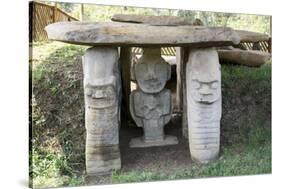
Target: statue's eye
x=214, y=85
x=104, y=94
x=195, y=84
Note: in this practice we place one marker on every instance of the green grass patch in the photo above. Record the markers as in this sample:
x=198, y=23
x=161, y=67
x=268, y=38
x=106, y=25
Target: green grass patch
x=231, y=163
x=49, y=169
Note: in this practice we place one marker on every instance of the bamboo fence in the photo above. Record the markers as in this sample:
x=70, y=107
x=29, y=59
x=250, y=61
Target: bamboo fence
x=40, y=15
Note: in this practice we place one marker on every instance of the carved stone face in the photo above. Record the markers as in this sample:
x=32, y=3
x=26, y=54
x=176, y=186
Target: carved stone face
x=205, y=91
x=152, y=77
x=100, y=96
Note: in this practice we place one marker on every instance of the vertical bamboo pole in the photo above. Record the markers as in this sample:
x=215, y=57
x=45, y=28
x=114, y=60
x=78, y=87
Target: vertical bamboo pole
x=55, y=12
x=269, y=41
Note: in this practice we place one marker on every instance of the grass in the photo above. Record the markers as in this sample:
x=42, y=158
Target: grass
x=56, y=73
x=58, y=133
x=52, y=170
x=249, y=161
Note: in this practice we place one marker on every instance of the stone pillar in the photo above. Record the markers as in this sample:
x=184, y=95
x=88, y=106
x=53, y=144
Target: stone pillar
x=151, y=104
x=102, y=87
x=203, y=84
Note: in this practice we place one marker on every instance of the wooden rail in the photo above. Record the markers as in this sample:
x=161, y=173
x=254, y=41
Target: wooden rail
x=166, y=51
x=248, y=41
x=40, y=15
x=260, y=45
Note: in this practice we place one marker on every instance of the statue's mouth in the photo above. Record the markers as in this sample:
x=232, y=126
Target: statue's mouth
x=153, y=82
x=207, y=98
x=101, y=102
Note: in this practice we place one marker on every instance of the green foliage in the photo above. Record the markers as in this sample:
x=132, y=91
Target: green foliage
x=104, y=13
x=92, y=12
x=67, y=7
x=256, y=23
x=189, y=16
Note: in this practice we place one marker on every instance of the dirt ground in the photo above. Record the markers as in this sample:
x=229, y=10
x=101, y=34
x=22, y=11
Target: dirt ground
x=163, y=159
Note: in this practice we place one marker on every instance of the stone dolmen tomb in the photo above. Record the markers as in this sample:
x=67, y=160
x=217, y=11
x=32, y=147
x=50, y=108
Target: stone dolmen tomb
x=108, y=70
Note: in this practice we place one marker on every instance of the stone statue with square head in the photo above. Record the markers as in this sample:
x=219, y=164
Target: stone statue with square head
x=151, y=103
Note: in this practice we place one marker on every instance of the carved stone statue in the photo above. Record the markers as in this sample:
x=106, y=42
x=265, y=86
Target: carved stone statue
x=203, y=86
x=151, y=104
x=102, y=109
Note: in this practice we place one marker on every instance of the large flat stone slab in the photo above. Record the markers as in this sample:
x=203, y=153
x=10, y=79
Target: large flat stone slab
x=151, y=20
x=129, y=34
x=248, y=58
x=249, y=36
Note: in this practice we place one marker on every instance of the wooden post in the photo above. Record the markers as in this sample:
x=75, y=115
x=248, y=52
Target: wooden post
x=270, y=26
x=184, y=60
x=270, y=39
x=269, y=45
x=179, y=63
x=55, y=12
x=31, y=22
x=125, y=61
x=82, y=12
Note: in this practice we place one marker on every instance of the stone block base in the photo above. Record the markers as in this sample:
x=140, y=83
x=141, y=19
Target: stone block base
x=102, y=159
x=103, y=167
x=140, y=143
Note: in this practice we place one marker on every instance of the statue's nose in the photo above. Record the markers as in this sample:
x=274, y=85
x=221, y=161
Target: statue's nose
x=151, y=74
x=205, y=90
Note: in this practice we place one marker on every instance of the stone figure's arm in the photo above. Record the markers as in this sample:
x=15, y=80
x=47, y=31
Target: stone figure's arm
x=167, y=109
x=132, y=70
x=138, y=120
x=169, y=71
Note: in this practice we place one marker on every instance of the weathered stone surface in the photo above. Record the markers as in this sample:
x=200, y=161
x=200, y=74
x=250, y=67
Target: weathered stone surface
x=149, y=108
x=248, y=36
x=151, y=20
x=244, y=57
x=129, y=34
x=102, y=109
x=151, y=104
x=203, y=84
x=152, y=71
x=141, y=143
